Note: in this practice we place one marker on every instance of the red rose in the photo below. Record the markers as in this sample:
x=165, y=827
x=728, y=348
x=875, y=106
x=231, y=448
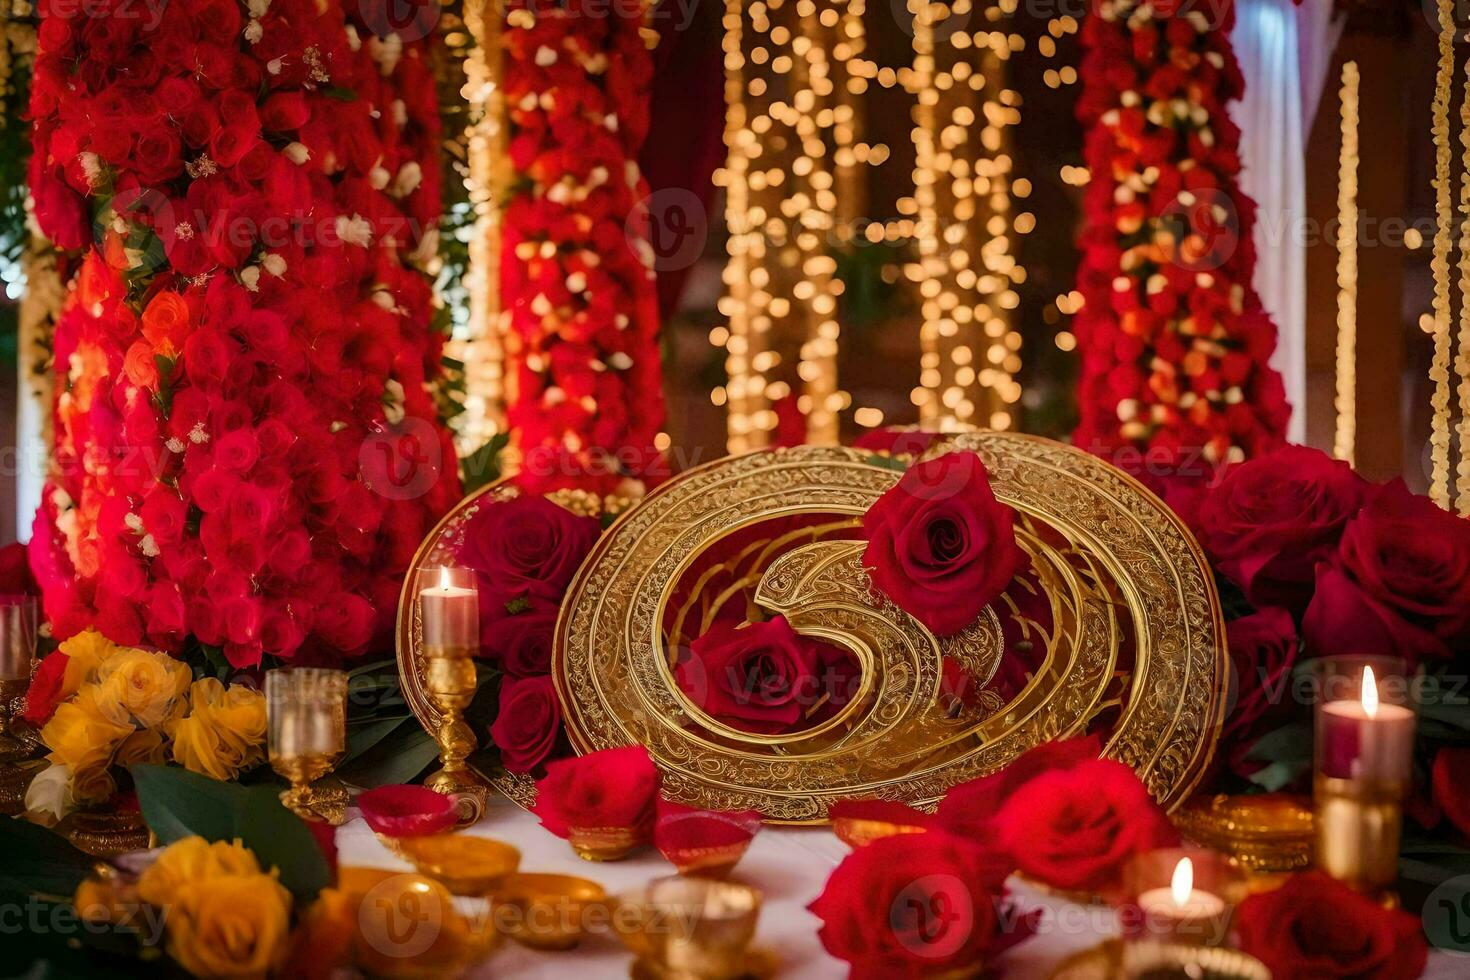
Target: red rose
x=762, y=677
x=969, y=808
x=917, y=905
x=527, y=547
x=1451, y=792
x=522, y=643
x=611, y=788
x=1399, y=581
x=896, y=441
x=1273, y=518
x=45, y=692
x=1315, y=926
x=61, y=212
x=1263, y=651
x=529, y=723
x=940, y=545
x=1076, y=828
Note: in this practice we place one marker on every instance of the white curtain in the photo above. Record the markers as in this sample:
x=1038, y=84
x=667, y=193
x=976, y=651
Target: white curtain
x=1285, y=52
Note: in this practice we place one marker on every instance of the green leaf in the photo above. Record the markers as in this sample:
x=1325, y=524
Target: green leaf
x=398, y=758
x=482, y=466
x=177, y=803
x=340, y=93
x=362, y=737
x=37, y=861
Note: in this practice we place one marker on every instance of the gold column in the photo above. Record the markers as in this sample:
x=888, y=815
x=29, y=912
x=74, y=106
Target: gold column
x=1439, y=374
x=1345, y=441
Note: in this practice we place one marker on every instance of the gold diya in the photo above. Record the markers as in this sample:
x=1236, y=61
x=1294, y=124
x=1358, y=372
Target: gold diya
x=858, y=823
x=464, y=864
x=544, y=911
x=1117, y=960
x=692, y=928
x=605, y=843
x=1264, y=833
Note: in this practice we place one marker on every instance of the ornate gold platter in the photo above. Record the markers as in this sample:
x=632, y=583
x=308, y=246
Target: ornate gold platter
x=1129, y=640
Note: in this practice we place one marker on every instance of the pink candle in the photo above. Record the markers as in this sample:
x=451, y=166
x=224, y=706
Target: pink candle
x=451, y=613
x=1365, y=740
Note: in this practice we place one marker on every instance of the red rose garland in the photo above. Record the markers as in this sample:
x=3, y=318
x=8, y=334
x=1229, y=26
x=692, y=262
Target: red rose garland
x=246, y=452
x=1175, y=345
x=584, y=385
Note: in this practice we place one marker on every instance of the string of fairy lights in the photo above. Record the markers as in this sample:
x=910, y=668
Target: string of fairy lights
x=1439, y=373
x=796, y=72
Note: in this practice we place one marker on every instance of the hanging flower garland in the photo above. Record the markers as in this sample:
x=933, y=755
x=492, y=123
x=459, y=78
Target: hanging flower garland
x=584, y=383
x=246, y=451
x=1175, y=344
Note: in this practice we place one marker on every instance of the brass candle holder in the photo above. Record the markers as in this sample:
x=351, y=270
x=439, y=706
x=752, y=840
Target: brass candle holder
x=449, y=608
x=307, y=737
x=18, y=749
x=451, y=683
x=1364, y=745
x=693, y=929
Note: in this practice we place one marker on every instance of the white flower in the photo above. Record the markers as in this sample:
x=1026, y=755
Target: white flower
x=386, y=52
x=49, y=797
x=197, y=435
x=258, y=8
x=545, y=57
x=274, y=264
x=275, y=65
x=620, y=360
x=91, y=167
x=250, y=278
x=384, y=300
x=148, y=546
x=577, y=282
x=174, y=444
x=355, y=230
x=378, y=177
x=133, y=522
x=410, y=176
x=254, y=32
x=297, y=153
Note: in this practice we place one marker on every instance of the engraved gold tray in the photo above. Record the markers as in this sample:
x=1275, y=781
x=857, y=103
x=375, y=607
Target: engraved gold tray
x=1134, y=645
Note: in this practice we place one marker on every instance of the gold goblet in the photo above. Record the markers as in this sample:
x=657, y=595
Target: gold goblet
x=18, y=749
x=692, y=929
x=307, y=710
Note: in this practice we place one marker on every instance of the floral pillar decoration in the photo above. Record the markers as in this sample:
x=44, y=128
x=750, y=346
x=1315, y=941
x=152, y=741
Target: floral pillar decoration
x=246, y=450
x=1174, y=342
x=583, y=382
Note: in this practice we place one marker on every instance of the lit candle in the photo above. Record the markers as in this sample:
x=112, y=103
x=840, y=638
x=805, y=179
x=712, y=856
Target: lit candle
x=1366, y=739
x=1181, y=905
x=451, y=615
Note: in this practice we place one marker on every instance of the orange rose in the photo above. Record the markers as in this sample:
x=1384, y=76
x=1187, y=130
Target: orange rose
x=139, y=366
x=166, y=323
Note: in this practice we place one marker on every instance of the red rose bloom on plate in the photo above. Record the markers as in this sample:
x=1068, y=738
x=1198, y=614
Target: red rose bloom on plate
x=1076, y=828
x=764, y=677
x=1314, y=926
x=1263, y=650
x=940, y=545
x=1273, y=518
x=529, y=723
x=527, y=547
x=917, y=905
x=522, y=643
x=1399, y=581
x=1449, y=785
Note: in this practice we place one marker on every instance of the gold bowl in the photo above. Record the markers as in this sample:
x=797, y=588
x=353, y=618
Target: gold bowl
x=544, y=911
x=699, y=927
x=464, y=864
x=604, y=843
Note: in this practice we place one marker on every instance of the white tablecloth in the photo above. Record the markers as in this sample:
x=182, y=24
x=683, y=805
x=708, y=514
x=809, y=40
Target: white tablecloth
x=790, y=866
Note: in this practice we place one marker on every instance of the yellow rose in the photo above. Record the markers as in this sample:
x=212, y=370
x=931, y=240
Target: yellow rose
x=146, y=746
x=106, y=900
x=234, y=926
x=85, y=652
x=193, y=859
x=83, y=738
x=224, y=732
x=146, y=687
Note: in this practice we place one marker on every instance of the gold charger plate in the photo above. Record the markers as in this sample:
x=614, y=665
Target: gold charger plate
x=1136, y=644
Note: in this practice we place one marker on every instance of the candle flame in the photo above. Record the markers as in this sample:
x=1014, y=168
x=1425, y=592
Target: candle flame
x=1370, y=693
x=444, y=582
x=1183, y=884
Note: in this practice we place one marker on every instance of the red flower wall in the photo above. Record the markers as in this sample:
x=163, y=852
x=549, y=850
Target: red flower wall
x=247, y=454
x=1174, y=343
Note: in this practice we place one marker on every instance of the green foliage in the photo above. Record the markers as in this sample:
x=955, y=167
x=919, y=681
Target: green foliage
x=482, y=467
x=177, y=804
